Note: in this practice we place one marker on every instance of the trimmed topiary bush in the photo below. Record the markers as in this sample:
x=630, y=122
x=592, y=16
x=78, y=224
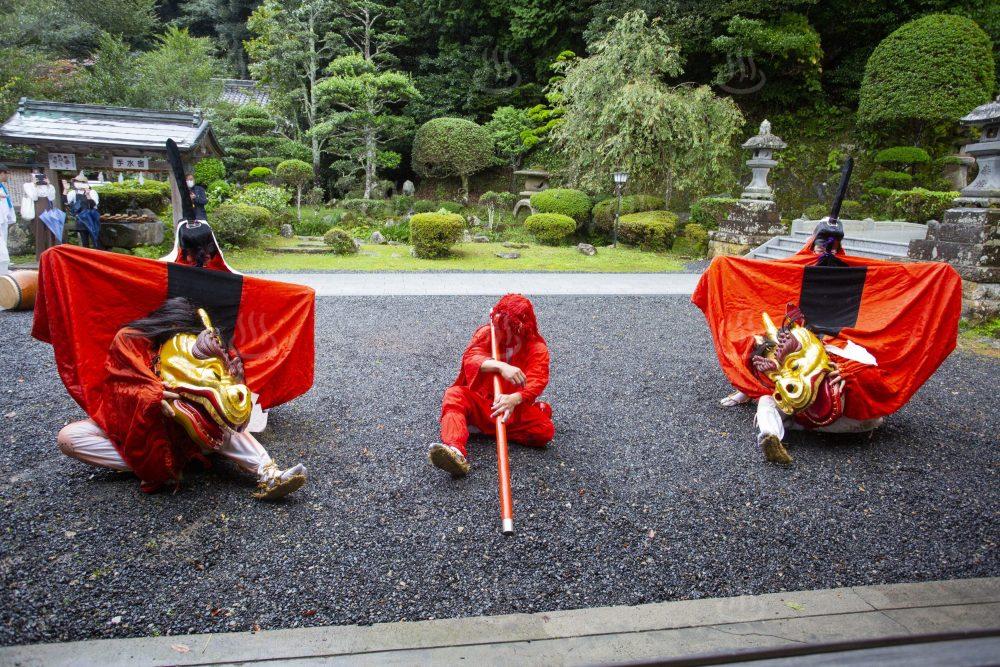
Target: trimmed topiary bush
x=433, y=234
x=259, y=174
x=574, y=203
x=118, y=197
x=650, y=230
x=897, y=180
x=272, y=198
x=920, y=205
x=425, y=206
x=697, y=237
x=604, y=211
x=550, y=228
x=375, y=208
x=902, y=155
x=340, y=241
x=446, y=147
x=239, y=225
x=209, y=170
x=710, y=212
x=927, y=73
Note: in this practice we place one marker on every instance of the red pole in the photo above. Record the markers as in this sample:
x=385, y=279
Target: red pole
x=503, y=463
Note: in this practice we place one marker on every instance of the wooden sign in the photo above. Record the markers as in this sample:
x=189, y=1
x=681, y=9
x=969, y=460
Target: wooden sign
x=62, y=161
x=123, y=163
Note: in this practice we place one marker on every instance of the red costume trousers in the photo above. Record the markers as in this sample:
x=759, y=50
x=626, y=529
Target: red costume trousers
x=530, y=424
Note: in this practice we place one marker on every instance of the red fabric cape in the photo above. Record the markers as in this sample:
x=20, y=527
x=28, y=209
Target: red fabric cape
x=86, y=296
x=907, y=318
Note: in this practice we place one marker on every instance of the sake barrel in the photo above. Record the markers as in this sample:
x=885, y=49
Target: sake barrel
x=18, y=289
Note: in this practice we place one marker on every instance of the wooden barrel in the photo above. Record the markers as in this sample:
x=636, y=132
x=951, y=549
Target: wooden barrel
x=18, y=289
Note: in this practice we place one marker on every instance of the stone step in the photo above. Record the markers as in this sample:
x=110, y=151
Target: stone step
x=785, y=246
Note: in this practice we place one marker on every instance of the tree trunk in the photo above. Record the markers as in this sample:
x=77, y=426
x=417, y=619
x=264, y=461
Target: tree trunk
x=371, y=155
x=465, y=189
x=298, y=202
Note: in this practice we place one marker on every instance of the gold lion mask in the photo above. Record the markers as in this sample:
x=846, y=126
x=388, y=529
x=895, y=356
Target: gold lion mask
x=213, y=401
x=796, y=362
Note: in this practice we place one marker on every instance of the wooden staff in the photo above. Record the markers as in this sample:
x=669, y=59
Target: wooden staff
x=503, y=463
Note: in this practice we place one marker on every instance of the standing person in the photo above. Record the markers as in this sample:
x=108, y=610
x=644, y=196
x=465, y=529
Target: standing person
x=7, y=218
x=198, y=198
x=524, y=374
x=83, y=201
x=39, y=196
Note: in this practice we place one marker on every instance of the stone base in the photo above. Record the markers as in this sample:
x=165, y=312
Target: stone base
x=980, y=301
x=20, y=240
x=131, y=234
x=749, y=224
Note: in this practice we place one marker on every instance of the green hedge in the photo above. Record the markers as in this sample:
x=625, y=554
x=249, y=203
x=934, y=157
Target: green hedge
x=697, y=237
x=425, y=206
x=340, y=241
x=897, y=180
x=902, y=155
x=849, y=210
x=118, y=197
x=550, y=228
x=920, y=205
x=566, y=201
x=650, y=230
x=604, y=211
x=433, y=234
x=209, y=170
x=240, y=225
x=260, y=174
x=375, y=208
x=710, y=212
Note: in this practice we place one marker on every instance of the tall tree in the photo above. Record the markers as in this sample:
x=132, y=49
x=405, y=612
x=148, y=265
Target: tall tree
x=226, y=22
x=290, y=49
x=178, y=73
x=363, y=116
x=370, y=28
x=620, y=113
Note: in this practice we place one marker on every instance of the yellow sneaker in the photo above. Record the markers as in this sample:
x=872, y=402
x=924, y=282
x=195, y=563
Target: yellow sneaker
x=448, y=458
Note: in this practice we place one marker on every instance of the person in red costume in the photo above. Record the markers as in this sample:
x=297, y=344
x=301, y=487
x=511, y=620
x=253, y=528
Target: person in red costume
x=524, y=374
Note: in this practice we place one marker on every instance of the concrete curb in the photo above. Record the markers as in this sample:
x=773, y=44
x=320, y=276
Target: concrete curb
x=584, y=636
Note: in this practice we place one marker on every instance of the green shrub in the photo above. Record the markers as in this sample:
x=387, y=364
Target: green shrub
x=697, y=237
x=927, y=73
x=550, y=228
x=425, y=206
x=433, y=234
x=341, y=242
x=650, y=230
x=118, y=197
x=400, y=232
x=274, y=199
x=375, y=208
x=260, y=174
x=604, y=211
x=445, y=147
x=851, y=210
x=710, y=212
x=402, y=204
x=218, y=192
x=920, y=205
x=209, y=170
x=566, y=201
x=902, y=155
x=239, y=225
x=897, y=180
x=816, y=211
x=450, y=207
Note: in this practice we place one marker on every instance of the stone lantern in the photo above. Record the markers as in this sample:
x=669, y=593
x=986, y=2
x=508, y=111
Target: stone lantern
x=763, y=146
x=985, y=190
x=754, y=219
x=966, y=237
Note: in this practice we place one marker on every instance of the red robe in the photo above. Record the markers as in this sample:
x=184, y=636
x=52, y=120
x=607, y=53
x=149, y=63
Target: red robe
x=904, y=313
x=84, y=299
x=470, y=398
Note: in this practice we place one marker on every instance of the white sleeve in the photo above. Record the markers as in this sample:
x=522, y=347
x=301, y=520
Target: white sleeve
x=96, y=197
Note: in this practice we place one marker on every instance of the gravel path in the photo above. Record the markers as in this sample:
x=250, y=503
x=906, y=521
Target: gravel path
x=649, y=492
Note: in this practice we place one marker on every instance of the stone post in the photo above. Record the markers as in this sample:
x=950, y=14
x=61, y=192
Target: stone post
x=754, y=219
x=969, y=236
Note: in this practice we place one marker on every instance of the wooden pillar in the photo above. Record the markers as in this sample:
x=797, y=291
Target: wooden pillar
x=175, y=198
x=54, y=179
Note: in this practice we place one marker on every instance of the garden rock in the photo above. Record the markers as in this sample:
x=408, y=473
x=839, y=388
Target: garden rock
x=587, y=249
x=474, y=221
x=408, y=188
x=515, y=246
x=480, y=238
x=377, y=238
x=508, y=255
x=287, y=231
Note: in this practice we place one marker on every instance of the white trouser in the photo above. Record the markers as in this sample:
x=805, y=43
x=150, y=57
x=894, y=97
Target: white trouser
x=4, y=254
x=772, y=421
x=84, y=440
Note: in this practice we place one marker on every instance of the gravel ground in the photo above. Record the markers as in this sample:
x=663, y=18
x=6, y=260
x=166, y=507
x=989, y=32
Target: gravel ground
x=649, y=492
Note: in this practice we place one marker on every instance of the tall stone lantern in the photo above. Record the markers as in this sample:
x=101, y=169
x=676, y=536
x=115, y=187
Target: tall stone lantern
x=754, y=219
x=763, y=145
x=968, y=237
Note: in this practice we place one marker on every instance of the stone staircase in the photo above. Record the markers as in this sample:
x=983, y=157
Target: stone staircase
x=864, y=238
